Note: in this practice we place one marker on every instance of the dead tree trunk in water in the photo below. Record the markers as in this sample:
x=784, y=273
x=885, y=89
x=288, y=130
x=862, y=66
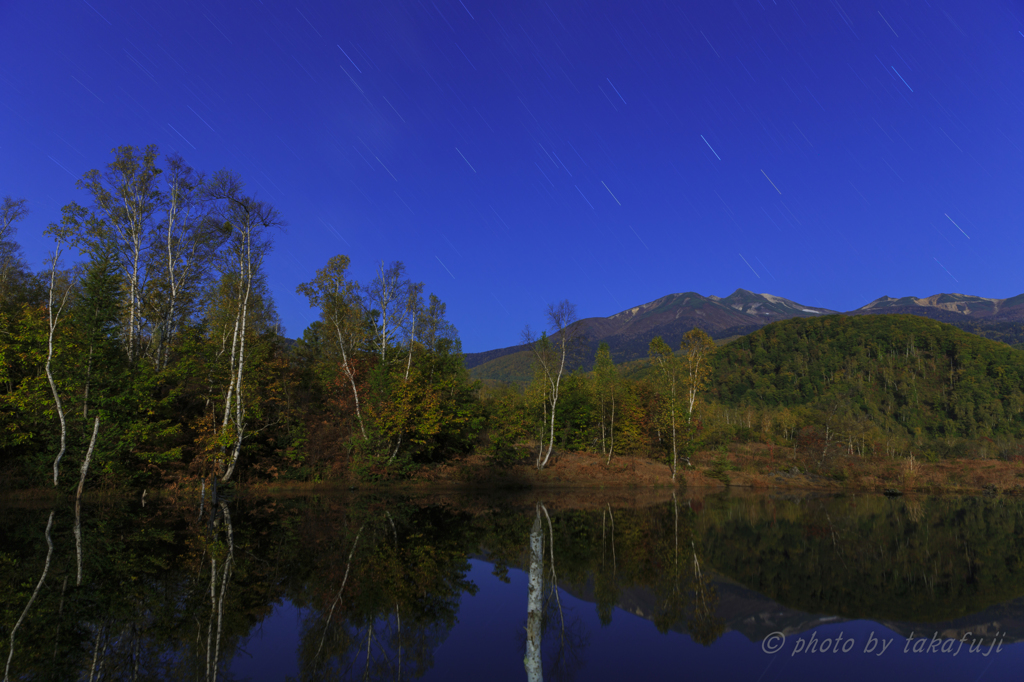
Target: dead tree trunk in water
x=535, y=603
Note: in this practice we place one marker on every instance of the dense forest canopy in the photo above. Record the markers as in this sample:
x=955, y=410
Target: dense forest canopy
x=900, y=372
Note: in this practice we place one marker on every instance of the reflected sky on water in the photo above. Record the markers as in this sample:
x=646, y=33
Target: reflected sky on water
x=488, y=641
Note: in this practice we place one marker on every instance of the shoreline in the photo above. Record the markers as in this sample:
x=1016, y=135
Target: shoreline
x=742, y=468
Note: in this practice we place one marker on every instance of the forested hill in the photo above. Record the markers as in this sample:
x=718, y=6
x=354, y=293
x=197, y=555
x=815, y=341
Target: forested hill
x=902, y=372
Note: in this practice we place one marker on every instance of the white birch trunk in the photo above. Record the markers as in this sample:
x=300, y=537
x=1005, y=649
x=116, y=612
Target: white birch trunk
x=88, y=459
x=535, y=603
x=351, y=377
x=53, y=319
x=172, y=282
x=555, y=385
x=133, y=311
x=239, y=408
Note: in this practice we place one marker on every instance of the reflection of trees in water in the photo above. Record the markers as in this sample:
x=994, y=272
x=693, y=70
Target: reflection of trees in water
x=35, y=593
x=185, y=638
x=113, y=603
x=384, y=647
x=920, y=559
x=121, y=593
x=393, y=604
x=545, y=615
x=219, y=578
x=684, y=591
x=169, y=594
x=703, y=625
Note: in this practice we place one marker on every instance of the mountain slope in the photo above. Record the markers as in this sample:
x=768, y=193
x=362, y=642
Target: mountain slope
x=999, y=319
x=949, y=306
x=629, y=332
x=902, y=373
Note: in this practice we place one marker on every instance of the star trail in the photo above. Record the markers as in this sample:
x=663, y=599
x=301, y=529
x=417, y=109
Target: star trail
x=847, y=149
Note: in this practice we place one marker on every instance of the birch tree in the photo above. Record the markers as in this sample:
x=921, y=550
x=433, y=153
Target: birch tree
x=433, y=328
x=698, y=349
x=413, y=305
x=11, y=211
x=183, y=250
x=413, y=312
x=250, y=221
x=669, y=383
x=387, y=302
x=59, y=291
x=551, y=358
x=126, y=197
x=606, y=384
x=341, y=309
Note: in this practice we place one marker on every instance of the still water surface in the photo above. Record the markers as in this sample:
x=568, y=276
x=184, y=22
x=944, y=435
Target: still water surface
x=695, y=586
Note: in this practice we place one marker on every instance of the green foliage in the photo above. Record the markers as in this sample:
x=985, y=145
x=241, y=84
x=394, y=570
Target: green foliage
x=720, y=466
x=516, y=368
x=902, y=373
x=508, y=427
x=575, y=416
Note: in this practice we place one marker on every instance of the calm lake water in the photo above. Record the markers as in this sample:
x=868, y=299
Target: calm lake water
x=567, y=586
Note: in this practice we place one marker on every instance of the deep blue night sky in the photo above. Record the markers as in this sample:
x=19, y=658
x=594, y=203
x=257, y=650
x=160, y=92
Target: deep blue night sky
x=514, y=154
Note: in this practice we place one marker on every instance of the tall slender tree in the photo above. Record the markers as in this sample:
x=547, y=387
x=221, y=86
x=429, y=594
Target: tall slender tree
x=59, y=291
x=669, y=385
x=341, y=309
x=251, y=221
x=11, y=212
x=188, y=238
x=697, y=350
x=387, y=302
x=551, y=360
x=606, y=380
x=126, y=197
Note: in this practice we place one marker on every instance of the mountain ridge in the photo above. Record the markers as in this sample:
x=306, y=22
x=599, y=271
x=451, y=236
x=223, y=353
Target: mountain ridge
x=629, y=331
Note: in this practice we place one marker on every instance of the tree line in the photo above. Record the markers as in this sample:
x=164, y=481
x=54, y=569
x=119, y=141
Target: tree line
x=824, y=389
x=160, y=348
x=157, y=357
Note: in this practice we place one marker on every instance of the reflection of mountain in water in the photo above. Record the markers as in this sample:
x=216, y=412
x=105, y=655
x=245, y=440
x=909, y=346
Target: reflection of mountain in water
x=951, y=565
x=756, y=616
x=384, y=570
x=928, y=560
